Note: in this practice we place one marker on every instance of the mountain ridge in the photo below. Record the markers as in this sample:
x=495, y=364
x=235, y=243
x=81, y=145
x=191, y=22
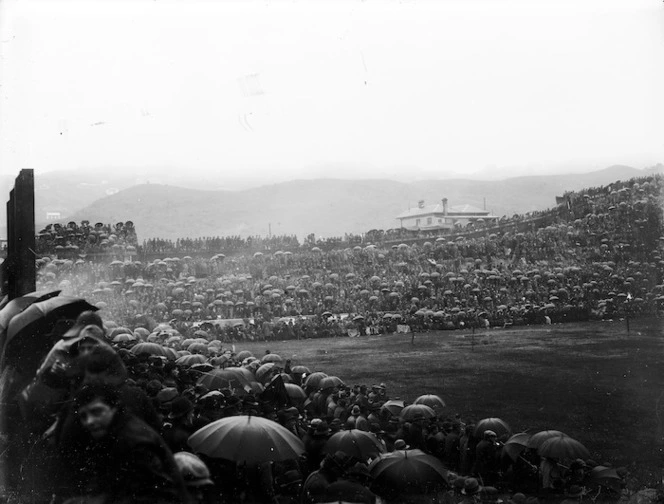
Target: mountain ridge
x=326, y=207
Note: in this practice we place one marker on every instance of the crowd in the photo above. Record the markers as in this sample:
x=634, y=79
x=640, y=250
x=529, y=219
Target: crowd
x=115, y=415
x=74, y=241
x=141, y=405
x=599, y=256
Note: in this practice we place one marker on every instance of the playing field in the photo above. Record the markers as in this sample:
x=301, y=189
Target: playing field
x=593, y=381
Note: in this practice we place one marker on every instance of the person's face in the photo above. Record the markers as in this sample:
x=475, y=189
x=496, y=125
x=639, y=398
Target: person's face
x=86, y=346
x=96, y=417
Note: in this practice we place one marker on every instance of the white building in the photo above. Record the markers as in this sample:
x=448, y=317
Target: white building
x=441, y=216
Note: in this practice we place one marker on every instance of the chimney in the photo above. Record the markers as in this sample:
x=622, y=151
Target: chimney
x=420, y=204
x=444, y=206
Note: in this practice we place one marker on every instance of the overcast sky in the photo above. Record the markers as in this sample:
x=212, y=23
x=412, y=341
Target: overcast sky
x=282, y=89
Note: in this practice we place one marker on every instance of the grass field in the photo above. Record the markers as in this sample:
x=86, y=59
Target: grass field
x=593, y=381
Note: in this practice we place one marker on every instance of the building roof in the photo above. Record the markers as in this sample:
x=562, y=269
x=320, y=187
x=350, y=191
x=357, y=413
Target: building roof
x=437, y=210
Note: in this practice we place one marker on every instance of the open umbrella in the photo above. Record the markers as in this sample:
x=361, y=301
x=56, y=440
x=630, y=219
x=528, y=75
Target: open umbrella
x=154, y=349
x=300, y=370
x=27, y=337
x=224, y=378
x=562, y=447
x=604, y=476
x=356, y=443
x=496, y=425
x=263, y=372
x=16, y=306
x=537, y=439
x=330, y=382
x=516, y=444
x=433, y=401
x=243, y=355
x=246, y=440
x=124, y=338
x=271, y=357
x=314, y=379
x=404, y=472
x=417, y=411
x=394, y=407
x=190, y=360
x=295, y=392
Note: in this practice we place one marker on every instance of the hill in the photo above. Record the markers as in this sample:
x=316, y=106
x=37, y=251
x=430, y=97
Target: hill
x=326, y=207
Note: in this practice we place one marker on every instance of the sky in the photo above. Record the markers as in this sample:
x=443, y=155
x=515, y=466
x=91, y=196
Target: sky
x=273, y=90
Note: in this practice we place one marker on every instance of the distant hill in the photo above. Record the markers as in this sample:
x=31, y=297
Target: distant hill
x=326, y=207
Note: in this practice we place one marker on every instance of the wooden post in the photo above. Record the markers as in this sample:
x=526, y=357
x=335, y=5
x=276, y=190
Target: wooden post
x=21, y=272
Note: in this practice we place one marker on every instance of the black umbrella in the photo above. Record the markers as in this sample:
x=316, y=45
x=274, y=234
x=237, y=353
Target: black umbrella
x=29, y=334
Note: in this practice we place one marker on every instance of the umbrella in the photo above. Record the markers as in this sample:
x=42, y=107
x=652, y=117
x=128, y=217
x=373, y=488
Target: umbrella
x=295, y=392
x=264, y=371
x=224, y=378
x=271, y=357
x=407, y=472
x=496, y=425
x=516, y=444
x=190, y=360
x=394, y=407
x=199, y=348
x=330, y=382
x=246, y=440
x=605, y=476
x=124, y=338
x=356, y=443
x=243, y=355
x=300, y=370
x=433, y=401
x=417, y=411
x=26, y=336
x=562, y=447
x=314, y=379
x=537, y=439
x=16, y=306
x=154, y=349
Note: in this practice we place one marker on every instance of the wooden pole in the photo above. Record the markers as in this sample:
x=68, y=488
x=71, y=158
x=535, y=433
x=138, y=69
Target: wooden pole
x=22, y=275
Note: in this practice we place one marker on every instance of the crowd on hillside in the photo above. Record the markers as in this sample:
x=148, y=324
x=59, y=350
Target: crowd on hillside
x=600, y=258
x=76, y=240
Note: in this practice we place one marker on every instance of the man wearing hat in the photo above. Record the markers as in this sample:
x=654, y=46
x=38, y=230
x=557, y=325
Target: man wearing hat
x=315, y=442
x=332, y=467
x=486, y=458
x=352, y=487
x=471, y=491
x=179, y=427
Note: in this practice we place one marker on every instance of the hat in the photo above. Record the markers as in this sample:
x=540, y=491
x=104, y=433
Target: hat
x=321, y=429
x=339, y=460
x=575, y=491
x=86, y=318
x=471, y=486
x=518, y=498
x=400, y=444
x=360, y=470
x=193, y=470
x=180, y=407
x=489, y=434
x=355, y=411
x=166, y=395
